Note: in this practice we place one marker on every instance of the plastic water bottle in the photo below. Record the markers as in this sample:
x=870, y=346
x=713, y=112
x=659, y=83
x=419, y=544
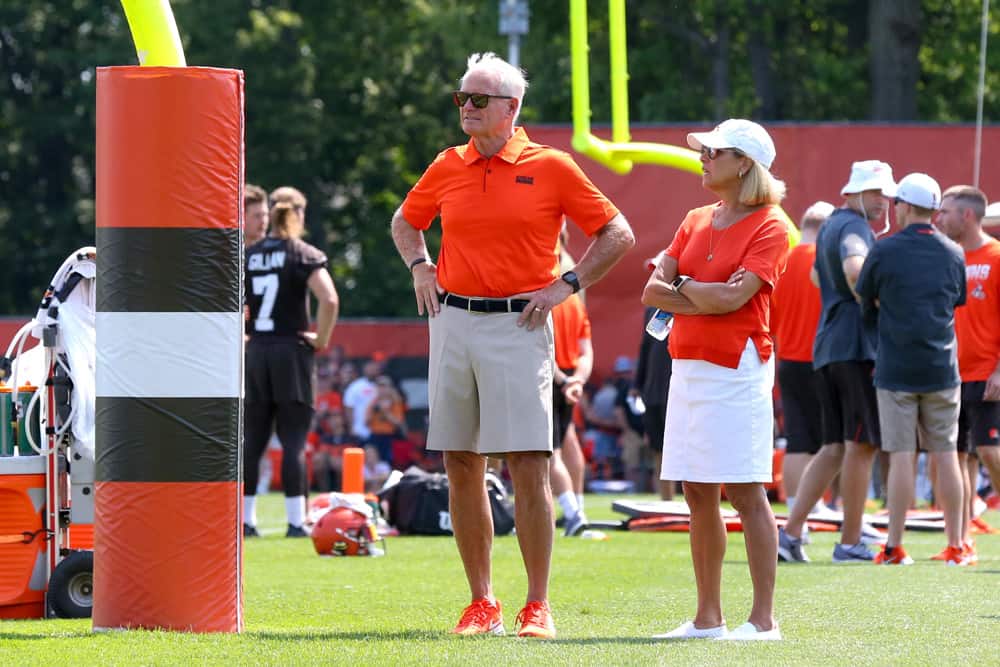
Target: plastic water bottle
x=660, y=324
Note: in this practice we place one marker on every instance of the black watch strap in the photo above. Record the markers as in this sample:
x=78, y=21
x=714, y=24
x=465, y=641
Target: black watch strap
x=417, y=261
x=570, y=278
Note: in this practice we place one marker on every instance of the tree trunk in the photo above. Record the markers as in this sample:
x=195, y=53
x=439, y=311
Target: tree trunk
x=894, y=36
x=720, y=66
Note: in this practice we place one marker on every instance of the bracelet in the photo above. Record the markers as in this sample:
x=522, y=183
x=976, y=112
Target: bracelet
x=418, y=260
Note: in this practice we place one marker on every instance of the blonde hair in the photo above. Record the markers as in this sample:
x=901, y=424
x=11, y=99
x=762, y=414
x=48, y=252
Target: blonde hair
x=287, y=193
x=759, y=187
x=283, y=214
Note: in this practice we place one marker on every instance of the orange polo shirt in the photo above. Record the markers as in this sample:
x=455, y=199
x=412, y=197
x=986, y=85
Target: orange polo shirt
x=571, y=325
x=758, y=243
x=796, y=306
x=501, y=216
x=977, y=323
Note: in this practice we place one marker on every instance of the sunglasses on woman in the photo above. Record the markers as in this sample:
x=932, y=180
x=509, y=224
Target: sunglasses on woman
x=712, y=153
x=479, y=100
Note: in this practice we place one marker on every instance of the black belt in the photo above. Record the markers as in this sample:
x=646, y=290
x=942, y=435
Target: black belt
x=483, y=305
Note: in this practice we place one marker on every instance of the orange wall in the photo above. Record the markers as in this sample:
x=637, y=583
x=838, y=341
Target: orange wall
x=813, y=160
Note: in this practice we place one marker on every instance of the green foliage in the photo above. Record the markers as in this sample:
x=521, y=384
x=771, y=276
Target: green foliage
x=349, y=101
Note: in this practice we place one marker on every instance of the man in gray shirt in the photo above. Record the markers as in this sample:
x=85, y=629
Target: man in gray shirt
x=844, y=355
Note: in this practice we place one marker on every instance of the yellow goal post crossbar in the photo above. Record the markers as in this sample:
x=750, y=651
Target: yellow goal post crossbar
x=621, y=153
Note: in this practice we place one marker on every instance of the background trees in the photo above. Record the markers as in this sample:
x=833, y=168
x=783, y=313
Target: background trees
x=349, y=100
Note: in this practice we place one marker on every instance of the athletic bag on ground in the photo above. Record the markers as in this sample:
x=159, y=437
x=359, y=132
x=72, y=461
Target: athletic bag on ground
x=418, y=504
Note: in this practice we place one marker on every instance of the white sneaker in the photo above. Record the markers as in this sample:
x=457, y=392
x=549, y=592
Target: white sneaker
x=687, y=631
x=749, y=632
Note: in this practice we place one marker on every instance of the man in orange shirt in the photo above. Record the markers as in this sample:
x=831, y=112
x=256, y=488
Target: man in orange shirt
x=795, y=309
x=574, y=361
x=501, y=199
x=977, y=325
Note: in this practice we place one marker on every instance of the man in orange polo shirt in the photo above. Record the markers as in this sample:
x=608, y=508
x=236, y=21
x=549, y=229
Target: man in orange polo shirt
x=977, y=325
x=501, y=199
x=795, y=309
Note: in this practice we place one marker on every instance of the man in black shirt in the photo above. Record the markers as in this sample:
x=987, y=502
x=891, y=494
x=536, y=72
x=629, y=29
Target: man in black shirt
x=915, y=279
x=281, y=270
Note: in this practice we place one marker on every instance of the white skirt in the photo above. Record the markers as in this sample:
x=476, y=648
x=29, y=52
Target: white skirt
x=720, y=421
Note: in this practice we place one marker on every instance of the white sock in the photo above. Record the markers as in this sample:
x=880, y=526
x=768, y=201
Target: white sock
x=569, y=504
x=579, y=501
x=250, y=510
x=295, y=509
x=790, y=501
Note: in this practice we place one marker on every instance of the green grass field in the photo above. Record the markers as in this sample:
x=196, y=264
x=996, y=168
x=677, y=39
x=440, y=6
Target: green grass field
x=607, y=598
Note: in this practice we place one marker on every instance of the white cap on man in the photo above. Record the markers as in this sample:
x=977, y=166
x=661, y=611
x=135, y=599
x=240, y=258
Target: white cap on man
x=870, y=175
x=992, y=217
x=920, y=190
x=745, y=136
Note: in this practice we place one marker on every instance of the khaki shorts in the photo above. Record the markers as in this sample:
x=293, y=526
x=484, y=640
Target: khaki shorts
x=489, y=383
x=934, y=413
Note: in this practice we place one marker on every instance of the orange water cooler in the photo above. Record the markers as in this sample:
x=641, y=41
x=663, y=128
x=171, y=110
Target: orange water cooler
x=23, y=572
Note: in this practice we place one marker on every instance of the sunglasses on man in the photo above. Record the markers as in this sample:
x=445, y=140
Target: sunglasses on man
x=479, y=100
x=712, y=153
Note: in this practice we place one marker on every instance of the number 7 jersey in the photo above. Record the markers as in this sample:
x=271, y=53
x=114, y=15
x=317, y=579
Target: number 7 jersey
x=277, y=292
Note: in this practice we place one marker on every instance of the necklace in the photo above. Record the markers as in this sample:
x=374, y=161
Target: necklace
x=711, y=234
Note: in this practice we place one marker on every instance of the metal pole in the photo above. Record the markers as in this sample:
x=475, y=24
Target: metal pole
x=514, y=49
x=980, y=94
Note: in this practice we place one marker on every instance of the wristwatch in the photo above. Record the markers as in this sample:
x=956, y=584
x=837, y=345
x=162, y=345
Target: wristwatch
x=678, y=282
x=570, y=278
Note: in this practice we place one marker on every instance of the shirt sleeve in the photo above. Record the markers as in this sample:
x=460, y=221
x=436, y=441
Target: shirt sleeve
x=680, y=239
x=768, y=251
x=867, y=285
x=855, y=240
x=423, y=202
x=580, y=199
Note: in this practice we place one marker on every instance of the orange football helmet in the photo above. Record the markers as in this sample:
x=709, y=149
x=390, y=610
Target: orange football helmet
x=342, y=531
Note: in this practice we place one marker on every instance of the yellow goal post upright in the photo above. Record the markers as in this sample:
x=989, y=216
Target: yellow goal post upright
x=621, y=153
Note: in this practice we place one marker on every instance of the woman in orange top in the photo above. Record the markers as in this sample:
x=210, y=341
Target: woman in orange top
x=716, y=277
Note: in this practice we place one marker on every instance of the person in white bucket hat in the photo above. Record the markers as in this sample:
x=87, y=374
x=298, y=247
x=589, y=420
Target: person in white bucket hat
x=914, y=280
x=844, y=356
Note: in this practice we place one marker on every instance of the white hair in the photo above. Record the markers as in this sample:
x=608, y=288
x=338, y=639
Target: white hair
x=510, y=80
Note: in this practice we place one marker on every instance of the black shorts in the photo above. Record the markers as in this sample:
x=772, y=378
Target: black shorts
x=280, y=372
x=654, y=421
x=562, y=415
x=800, y=404
x=978, y=420
x=849, y=406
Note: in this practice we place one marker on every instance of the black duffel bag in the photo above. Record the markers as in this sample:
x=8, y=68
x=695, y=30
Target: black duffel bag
x=418, y=504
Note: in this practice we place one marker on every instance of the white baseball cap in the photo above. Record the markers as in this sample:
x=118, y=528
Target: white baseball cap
x=992, y=217
x=870, y=175
x=821, y=209
x=920, y=190
x=744, y=135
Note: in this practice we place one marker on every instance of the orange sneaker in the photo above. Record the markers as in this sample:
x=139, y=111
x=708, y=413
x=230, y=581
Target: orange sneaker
x=955, y=556
x=893, y=556
x=480, y=618
x=535, y=620
x=979, y=526
x=942, y=555
x=969, y=551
